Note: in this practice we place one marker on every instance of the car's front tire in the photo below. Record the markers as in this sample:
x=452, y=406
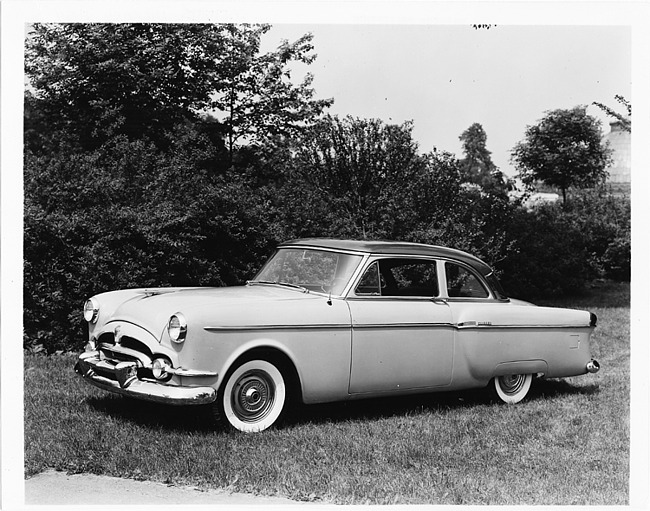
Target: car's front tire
x=511, y=388
x=253, y=397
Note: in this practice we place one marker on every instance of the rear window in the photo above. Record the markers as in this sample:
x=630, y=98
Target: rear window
x=462, y=283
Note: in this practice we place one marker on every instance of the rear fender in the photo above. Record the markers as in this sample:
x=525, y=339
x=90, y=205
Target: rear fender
x=521, y=367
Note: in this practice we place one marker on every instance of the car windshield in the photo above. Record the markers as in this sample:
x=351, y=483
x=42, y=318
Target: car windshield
x=314, y=270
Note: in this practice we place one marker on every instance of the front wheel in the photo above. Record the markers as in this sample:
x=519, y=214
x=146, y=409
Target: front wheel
x=253, y=396
x=511, y=388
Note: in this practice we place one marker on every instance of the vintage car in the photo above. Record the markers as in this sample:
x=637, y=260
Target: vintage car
x=330, y=320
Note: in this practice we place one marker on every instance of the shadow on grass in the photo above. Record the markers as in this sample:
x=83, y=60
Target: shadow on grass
x=439, y=402
x=197, y=418
x=548, y=389
x=153, y=415
x=384, y=408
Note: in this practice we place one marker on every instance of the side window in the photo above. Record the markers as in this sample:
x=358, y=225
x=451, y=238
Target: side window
x=400, y=277
x=370, y=284
x=461, y=283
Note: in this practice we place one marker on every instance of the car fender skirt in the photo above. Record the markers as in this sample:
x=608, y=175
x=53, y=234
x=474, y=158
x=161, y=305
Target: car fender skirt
x=521, y=367
x=126, y=383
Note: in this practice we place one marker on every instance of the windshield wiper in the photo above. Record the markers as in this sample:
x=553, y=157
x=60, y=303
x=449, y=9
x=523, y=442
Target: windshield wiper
x=278, y=283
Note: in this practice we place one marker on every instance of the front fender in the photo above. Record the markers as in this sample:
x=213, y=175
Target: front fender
x=260, y=343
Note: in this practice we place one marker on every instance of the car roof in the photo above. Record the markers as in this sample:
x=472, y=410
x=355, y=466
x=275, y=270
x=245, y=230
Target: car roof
x=392, y=248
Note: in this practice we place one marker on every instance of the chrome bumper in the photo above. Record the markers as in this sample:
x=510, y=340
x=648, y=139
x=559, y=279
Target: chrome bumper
x=125, y=381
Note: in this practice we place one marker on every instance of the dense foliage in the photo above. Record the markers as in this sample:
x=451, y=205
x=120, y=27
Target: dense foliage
x=186, y=166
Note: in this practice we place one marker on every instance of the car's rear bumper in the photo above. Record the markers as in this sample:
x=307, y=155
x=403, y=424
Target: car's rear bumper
x=121, y=378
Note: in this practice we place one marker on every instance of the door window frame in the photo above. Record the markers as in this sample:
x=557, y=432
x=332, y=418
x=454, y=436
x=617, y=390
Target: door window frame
x=352, y=294
x=445, y=292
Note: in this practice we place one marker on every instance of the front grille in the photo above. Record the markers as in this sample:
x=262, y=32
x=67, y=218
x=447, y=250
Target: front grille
x=114, y=355
x=107, y=340
x=129, y=349
x=135, y=344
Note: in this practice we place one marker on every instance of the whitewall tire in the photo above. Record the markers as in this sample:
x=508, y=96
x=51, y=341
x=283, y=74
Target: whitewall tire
x=511, y=388
x=254, y=396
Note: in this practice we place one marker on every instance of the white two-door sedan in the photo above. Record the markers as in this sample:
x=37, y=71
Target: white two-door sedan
x=330, y=320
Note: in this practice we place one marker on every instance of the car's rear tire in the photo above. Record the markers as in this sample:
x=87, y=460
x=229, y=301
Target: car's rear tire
x=253, y=397
x=511, y=388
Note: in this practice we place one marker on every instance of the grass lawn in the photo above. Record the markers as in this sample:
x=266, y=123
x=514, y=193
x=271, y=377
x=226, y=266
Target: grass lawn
x=567, y=443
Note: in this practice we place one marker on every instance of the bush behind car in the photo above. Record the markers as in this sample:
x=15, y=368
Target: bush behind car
x=128, y=216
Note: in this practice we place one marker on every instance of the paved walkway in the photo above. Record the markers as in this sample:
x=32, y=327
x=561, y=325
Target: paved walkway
x=59, y=488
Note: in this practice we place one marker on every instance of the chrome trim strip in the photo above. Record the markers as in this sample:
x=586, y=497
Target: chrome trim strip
x=179, y=371
x=373, y=298
x=459, y=326
x=403, y=325
x=472, y=324
x=255, y=328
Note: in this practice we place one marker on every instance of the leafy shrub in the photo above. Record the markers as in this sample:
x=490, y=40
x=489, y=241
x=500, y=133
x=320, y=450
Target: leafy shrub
x=548, y=256
x=616, y=260
x=127, y=216
x=555, y=250
x=605, y=221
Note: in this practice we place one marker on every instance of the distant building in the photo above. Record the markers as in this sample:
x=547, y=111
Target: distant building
x=620, y=171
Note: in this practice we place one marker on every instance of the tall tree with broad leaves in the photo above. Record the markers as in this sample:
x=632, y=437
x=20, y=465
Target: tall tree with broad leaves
x=564, y=149
x=96, y=81
x=255, y=96
x=365, y=168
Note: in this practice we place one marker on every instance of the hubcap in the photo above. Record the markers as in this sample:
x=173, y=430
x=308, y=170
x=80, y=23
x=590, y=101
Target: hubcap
x=253, y=396
x=512, y=384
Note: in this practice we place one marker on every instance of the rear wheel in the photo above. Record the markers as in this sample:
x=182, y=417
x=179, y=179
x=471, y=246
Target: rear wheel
x=511, y=388
x=253, y=396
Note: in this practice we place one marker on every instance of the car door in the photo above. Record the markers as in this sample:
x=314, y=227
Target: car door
x=402, y=336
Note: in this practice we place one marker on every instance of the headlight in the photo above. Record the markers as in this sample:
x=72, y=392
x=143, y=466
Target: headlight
x=91, y=310
x=159, y=368
x=177, y=328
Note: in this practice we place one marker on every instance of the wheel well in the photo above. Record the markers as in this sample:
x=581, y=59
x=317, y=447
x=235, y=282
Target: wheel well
x=285, y=364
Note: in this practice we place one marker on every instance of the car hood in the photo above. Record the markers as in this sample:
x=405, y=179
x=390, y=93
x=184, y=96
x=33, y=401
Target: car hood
x=152, y=308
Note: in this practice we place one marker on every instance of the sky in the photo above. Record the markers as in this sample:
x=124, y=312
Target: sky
x=444, y=78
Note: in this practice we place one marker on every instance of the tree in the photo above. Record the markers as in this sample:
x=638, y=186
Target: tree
x=93, y=82
x=255, y=94
x=477, y=162
x=563, y=149
x=625, y=120
x=477, y=166
x=362, y=178
x=364, y=167
x=102, y=80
